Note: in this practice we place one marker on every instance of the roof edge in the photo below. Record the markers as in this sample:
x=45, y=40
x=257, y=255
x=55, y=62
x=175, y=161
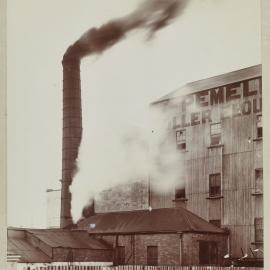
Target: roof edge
x=210, y=82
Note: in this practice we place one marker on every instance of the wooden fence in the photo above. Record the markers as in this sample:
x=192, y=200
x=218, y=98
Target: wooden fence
x=127, y=267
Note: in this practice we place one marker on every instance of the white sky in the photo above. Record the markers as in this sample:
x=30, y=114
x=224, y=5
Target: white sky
x=211, y=37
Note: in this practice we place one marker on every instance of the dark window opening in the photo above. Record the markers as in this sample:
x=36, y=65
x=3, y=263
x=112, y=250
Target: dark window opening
x=214, y=184
x=180, y=193
x=259, y=180
x=120, y=255
x=259, y=126
x=258, y=223
x=215, y=134
x=216, y=222
x=181, y=139
x=152, y=255
x=208, y=253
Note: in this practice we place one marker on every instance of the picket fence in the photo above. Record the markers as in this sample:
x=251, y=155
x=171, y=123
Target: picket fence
x=132, y=267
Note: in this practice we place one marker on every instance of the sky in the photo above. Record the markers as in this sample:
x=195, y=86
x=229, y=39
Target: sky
x=209, y=38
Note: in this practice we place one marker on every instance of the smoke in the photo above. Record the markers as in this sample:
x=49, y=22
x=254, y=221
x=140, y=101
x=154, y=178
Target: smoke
x=151, y=15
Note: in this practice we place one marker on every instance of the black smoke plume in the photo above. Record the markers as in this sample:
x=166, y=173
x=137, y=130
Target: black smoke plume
x=152, y=15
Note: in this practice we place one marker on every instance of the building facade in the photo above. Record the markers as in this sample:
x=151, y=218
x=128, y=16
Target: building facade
x=166, y=236
x=216, y=127
x=30, y=249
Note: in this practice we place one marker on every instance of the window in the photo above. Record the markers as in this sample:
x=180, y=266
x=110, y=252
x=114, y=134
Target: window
x=216, y=222
x=208, y=253
x=259, y=126
x=214, y=185
x=181, y=139
x=180, y=193
x=258, y=223
x=259, y=180
x=152, y=255
x=120, y=255
x=215, y=133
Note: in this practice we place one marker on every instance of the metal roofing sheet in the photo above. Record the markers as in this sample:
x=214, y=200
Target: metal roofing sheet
x=28, y=253
x=68, y=239
x=143, y=221
x=216, y=81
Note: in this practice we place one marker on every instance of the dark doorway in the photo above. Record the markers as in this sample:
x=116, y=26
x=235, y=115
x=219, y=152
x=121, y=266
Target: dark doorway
x=208, y=253
x=152, y=255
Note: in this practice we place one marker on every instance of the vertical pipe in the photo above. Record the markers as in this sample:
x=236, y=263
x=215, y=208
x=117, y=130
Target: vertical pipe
x=72, y=133
x=180, y=249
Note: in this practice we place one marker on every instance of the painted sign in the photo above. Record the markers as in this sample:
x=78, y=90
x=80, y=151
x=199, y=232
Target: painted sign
x=232, y=100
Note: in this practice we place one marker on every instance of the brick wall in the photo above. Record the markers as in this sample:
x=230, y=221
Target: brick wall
x=168, y=247
x=190, y=247
x=124, y=197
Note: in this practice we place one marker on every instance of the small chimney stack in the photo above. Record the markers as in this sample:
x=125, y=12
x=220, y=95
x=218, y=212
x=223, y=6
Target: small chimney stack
x=72, y=132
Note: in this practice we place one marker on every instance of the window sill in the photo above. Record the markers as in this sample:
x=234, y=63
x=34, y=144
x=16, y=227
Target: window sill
x=215, y=146
x=256, y=193
x=180, y=200
x=257, y=139
x=214, y=197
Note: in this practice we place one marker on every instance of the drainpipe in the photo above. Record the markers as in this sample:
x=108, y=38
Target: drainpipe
x=180, y=249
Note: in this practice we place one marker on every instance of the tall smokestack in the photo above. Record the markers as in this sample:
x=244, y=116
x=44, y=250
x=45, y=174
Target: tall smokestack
x=152, y=15
x=72, y=132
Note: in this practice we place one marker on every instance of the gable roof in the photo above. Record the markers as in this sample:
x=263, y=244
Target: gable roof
x=170, y=220
x=212, y=82
x=68, y=239
x=20, y=245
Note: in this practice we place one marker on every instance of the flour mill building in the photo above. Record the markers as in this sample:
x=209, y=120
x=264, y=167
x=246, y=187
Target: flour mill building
x=216, y=125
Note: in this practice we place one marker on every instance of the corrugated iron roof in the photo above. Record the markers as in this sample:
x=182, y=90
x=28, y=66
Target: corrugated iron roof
x=27, y=252
x=68, y=239
x=145, y=221
x=212, y=82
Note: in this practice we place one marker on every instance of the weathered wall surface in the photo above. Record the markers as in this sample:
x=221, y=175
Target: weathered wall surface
x=190, y=247
x=236, y=158
x=82, y=255
x=168, y=247
x=123, y=198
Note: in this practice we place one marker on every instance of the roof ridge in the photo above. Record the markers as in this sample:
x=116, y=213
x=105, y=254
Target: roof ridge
x=193, y=84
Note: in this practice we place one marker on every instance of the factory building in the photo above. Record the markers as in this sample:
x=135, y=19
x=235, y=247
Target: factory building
x=216, y=126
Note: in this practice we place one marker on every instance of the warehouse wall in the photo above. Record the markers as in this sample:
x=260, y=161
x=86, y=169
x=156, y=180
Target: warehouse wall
x=236, y=159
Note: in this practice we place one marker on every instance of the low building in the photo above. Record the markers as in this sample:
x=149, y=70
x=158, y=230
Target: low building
x=168, y=236
x=28, y=248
